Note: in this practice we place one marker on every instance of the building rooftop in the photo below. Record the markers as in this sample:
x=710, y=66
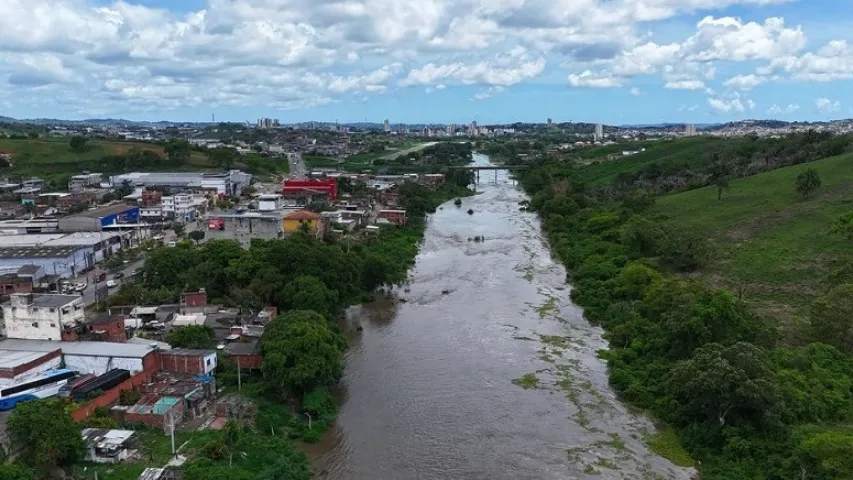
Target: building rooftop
x=95, y=349
x=51, y=300
x=104, y=319
x=29, y=269
x=104, y=437
x=302, y=215
x=242, y=348
x=83, y=239
x=36, y=252
x=191, y=352
x=10, y=359
x=104, y=211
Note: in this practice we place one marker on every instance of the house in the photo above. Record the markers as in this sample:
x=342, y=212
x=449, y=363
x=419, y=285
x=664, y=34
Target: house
x=433, y=180
x=327, y=185
x=11, y=283
x=294, y=221
x=78, y=182
x=35, y=316
x=151, y=198
x=109, y=446
x=180, y=207
x=396, y=217
x=245, y=354
x=106, y=328
x=186, y=360
x=194, y=299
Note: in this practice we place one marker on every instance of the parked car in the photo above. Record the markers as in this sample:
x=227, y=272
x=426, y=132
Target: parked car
x=80, y=287
x=112, y=283
x=118, y=276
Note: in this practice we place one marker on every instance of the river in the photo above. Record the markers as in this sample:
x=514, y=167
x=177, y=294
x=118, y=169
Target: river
x=435, y=386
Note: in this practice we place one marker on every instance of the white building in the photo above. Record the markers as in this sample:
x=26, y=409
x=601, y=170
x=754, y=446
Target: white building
x=35, y=316
x=180, y=207
x=599, y=132
x=228, y=183
x=108, y=446
x=269, y=202
x=690, y=130
x=94, y=358
x=78, y=182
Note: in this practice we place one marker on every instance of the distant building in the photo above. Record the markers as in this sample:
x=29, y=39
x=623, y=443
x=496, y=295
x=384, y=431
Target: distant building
x=185, y=360
x=78, y=182
x=690, y=130
x=41, y=316
x=327, y=185
x=99, y=219
x=598, y=135
x=179, y=207
x=396, y=217
x=230, y=183
x=386, y=126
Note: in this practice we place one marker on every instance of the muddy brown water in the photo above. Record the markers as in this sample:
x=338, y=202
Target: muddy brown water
x=429, y=389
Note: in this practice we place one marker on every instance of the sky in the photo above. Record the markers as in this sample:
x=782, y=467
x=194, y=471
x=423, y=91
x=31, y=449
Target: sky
x=427, y=61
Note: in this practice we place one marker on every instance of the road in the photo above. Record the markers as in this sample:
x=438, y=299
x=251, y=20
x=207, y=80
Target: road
x=392, y=156
x=297, y=165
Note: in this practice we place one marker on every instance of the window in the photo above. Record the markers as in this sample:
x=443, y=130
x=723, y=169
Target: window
x=52, y=310
x=36, y=324
x=53, y=325
x=208, y=362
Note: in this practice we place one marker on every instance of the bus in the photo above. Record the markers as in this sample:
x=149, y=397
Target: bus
x=43, y=385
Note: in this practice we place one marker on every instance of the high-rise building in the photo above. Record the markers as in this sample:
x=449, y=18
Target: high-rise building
x=451, y=130
x=472, y=129
x=387, y=126
x=599, y=132
x=550, y=123
x=690, y=130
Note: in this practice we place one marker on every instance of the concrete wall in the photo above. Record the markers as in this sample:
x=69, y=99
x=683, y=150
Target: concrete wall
x=101, y=365
x=77, y=223
x=245, y=229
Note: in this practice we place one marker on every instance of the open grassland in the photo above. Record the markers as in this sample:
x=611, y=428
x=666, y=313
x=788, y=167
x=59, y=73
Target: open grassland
x=669, y=154
x=771, y=245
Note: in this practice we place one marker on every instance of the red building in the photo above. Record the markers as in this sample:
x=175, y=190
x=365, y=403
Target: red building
x=185, y=360
x=397, y=217
x=327, y=185
x=194, y=299
x=151, y=198
x=11, y=283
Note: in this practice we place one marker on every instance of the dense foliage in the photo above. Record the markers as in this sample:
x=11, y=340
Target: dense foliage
x=696, y=358
x=191, y=336
x=47, y=434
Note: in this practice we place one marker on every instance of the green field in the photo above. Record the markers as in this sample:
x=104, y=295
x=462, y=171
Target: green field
x=669, y=154
x=770, y=244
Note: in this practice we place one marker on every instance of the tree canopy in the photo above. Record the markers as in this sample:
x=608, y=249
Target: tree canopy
x=49, y=436
x=807, y=182
x=191, y=336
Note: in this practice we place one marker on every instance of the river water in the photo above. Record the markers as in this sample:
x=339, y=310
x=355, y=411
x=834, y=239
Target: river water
x=435, y=385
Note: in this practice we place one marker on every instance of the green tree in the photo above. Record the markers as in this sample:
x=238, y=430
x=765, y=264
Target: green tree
x=248, y=191
x=178, y=228
x=307, y=292
x=721, y=173
x=78, y=143
x=720, y=383
x=832, y=318
x=178, y=151
x=638, y=201
x=47, y=433
x=16, y=472
x=843, y=225
x=832, y=452
x=124, y=189
x=196, y=235
x=807, y=182
x=287, y=467
x=223, y=157
x=205, y=471
x=232, y=432
x=301, y=355
x=191, y=336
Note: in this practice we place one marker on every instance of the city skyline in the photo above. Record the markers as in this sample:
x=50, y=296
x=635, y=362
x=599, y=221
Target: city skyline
x=618, y=63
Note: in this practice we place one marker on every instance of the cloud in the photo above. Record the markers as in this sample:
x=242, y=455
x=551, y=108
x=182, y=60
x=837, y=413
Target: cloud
x=504, y=70
x=784, y=109
x=588, y=79
x=745, y=82
x=487, y=93
x=825, y=105
x=832, y=62
x=732, y=104
x=729, y=38
x=685, y=85
x=635, y=92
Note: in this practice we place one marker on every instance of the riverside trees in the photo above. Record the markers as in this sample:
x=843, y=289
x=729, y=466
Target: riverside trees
x=696, y=358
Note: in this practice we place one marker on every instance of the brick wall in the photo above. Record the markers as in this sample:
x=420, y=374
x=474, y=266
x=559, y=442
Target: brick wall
x=194, y=299
x=113, y=331
x=181, y=363
x=110, y=397
x=252, y=361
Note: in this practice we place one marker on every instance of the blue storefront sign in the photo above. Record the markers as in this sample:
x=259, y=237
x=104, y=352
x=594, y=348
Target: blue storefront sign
x=129, y=216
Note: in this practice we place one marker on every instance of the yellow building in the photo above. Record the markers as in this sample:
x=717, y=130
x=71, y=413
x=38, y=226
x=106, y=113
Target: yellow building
x=294, y=221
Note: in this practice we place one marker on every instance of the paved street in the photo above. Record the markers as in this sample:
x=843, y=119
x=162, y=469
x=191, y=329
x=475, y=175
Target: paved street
x=297, y=165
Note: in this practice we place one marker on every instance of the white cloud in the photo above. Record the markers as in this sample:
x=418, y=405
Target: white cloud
x=505, y=70
x=487, y=93
x=588, y=79
x=833, y=61
x=636, y=92
x=784, y=109
x=732, y=104
x=745, y=82
x=729, y=38
x=825, y=105
x=685, y=85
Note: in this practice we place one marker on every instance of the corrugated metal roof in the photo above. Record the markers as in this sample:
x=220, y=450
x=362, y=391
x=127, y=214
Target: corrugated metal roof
x=94, y=349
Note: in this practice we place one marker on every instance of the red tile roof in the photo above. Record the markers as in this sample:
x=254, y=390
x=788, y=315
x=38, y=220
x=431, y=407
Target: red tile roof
x=302, y=215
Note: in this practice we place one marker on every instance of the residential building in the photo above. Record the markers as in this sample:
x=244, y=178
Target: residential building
x=690, y=130
x=268, y=202
x=294, y=221
x=36, y=316
x=396, y=217
x=103, y=328
x=150, y=198
x=179, y=207
x=386, y=126
x=78, y=182
x=109, y=446
x=194, y=299
x=13, y=283
x=185, y=360
x=598, y=135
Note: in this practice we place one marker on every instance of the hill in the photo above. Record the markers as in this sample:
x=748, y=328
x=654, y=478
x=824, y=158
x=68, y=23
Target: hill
x=771, y=245
x=54, y=160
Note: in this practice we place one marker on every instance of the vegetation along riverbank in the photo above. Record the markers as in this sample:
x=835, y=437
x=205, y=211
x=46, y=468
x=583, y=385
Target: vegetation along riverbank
x=726, y=301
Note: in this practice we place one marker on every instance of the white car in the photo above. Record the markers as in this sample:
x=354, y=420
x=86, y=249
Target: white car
x=111, y=283
x=80, y=287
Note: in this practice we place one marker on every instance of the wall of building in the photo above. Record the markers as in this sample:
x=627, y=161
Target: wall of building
x=194, y=364
x=65, y=267
x=244, y=229
x=39, y=323
x=110, y=397
x=49, y=361
x=96, y=365
x=250, y=361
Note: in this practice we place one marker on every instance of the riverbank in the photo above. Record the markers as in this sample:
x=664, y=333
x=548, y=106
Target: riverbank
x=429, y=378
x=698, y=359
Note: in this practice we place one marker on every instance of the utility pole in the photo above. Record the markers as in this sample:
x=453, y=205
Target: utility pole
x=239, y=382
x=172, y=433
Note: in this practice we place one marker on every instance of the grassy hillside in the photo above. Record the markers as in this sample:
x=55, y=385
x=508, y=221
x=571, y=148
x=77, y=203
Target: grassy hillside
x=54, y=160
x=669, y=154
x=770, y=243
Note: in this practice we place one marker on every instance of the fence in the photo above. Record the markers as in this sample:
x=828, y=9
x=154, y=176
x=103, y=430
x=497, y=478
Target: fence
x=110, y=397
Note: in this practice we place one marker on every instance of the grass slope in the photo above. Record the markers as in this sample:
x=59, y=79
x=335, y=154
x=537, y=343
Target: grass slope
x=770, y=243
x=666, y=153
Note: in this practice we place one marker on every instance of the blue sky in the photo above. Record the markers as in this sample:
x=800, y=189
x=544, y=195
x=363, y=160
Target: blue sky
x=441, y=61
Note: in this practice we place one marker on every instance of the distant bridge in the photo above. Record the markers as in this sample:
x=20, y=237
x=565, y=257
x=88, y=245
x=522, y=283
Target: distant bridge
x=489, y=167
